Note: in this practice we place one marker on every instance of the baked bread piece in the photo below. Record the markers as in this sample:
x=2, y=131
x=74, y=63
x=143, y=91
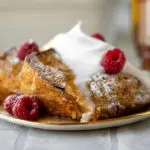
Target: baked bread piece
x=10, y=67
x=45, y=75
x=117, y=95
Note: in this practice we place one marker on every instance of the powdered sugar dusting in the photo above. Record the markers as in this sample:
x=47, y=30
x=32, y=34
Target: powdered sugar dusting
x=95, y=89
x=142, y=98
x=51, y=74
x=14, y=60
x=99, y=82
x=113, y=107
x=107, y=88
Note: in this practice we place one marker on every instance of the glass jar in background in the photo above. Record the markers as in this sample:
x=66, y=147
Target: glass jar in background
x=141, y=30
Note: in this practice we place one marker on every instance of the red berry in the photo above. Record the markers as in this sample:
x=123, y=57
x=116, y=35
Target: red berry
x=27, y=48
x=8, y=103
x=98, y=36
x=26, y=107
x=113, y=61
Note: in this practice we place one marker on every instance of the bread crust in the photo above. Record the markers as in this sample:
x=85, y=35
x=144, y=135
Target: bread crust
x=46, y=76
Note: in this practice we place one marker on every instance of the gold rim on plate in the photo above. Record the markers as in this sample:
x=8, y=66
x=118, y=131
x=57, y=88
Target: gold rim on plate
x=70, y=122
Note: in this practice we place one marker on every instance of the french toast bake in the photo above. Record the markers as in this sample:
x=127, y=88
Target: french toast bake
x=75, y=76
x=45, y=75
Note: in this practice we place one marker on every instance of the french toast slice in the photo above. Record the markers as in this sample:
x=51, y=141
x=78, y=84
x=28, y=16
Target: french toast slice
x=10, y=67
x=117, y=95
x=46, y=76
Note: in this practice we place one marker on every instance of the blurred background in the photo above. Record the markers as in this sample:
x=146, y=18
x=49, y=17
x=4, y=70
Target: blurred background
x=42, y=19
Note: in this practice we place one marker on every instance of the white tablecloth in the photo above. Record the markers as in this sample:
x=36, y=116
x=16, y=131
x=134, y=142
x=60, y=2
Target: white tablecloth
x=135, y=136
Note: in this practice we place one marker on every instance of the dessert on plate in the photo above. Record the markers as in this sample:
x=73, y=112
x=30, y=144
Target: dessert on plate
x=73, y=76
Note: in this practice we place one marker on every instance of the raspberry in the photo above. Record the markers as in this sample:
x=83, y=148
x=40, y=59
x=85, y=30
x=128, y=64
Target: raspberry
x=113, y=61
x=27, y=48
x=8, y=103
x=26, y=107
x=98, y=36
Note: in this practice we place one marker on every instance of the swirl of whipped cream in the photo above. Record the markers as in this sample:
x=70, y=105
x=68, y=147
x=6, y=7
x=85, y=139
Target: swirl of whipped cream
x=83, y=55
x=80, y=52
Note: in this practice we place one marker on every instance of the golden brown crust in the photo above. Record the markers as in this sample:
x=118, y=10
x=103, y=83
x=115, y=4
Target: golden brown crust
x=45, y=75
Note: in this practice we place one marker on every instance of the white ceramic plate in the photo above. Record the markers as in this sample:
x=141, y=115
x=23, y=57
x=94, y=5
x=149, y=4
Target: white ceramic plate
x=59, y=124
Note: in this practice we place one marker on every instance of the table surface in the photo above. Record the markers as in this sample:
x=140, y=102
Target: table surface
x=135, y=136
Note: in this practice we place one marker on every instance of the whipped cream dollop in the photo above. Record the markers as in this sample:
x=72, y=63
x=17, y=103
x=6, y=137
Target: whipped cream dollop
x=80, y=52
x=83, y=55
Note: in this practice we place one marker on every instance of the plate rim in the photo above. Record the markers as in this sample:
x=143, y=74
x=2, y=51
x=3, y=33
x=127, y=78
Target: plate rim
x=124, y=120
